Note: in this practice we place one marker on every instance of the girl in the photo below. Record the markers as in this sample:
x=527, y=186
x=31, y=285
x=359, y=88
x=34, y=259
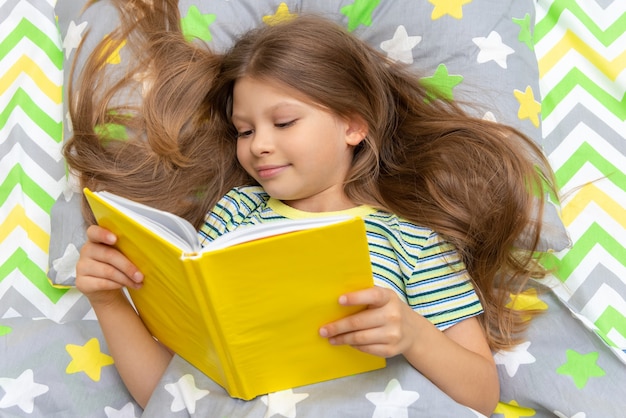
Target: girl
x=323, y=123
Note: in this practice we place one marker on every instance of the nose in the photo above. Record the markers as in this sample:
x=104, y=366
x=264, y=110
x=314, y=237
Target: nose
x=262, y=143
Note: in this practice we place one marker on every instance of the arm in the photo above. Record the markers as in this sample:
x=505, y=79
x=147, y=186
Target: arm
x=457, y=360
x=101, y=273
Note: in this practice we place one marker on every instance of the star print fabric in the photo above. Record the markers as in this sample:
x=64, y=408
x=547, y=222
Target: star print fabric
x=478, y=52
x=53, y=359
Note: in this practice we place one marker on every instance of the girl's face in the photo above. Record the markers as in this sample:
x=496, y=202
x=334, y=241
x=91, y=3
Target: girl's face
x=298, y=152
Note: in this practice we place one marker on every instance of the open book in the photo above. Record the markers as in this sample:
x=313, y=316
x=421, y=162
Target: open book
x=246, y=308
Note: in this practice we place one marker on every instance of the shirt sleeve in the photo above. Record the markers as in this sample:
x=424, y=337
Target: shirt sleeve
x=439, y=287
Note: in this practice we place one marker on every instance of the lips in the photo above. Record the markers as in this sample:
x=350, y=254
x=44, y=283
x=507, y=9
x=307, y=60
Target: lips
x=268, y=171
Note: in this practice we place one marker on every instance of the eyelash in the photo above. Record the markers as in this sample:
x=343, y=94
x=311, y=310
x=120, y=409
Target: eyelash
x=277, y=125
x=242, y=134
x=285, y=125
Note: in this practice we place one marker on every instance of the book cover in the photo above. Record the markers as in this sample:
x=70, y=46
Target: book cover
x=247, y=315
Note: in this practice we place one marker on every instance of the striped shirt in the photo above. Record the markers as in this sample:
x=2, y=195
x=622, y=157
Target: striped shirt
x=414, y=261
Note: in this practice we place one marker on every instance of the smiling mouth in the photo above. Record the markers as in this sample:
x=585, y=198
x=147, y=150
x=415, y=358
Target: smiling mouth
x=267, y=172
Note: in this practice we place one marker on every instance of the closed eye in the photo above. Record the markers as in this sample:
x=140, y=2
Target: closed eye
x=244, y=134
x=285, y=124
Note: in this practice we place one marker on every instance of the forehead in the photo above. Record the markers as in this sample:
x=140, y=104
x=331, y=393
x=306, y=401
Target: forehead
x=266, y=89
x=254, y=97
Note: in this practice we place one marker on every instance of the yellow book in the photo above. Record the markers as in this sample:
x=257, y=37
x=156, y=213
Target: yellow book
x=245, y=309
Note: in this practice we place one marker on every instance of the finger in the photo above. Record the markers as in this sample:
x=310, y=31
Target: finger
x=372, y=341
x=96, y=233
x=108, y=255
x=105, y=261
x=358, y=338
x=363, y=320
x=90, y=273
x=381, y=341
x=380, y=350
x=93, y=284
x=374, y=297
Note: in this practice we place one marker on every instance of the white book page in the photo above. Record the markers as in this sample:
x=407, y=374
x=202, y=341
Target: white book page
x=173, y=228
x=181, y=233
x=253, y=232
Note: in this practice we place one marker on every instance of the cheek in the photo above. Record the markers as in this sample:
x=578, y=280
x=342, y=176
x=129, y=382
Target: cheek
x=242, y=152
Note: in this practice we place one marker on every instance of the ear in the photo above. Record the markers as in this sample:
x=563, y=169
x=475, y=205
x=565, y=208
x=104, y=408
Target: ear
x=356, y=130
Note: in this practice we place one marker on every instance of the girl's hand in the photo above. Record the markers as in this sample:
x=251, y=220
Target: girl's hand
x=457, y=360
x=387, y=327
x=102, y=269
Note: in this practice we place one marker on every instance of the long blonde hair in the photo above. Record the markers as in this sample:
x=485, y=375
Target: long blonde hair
x=476, y=182
x=167, y=157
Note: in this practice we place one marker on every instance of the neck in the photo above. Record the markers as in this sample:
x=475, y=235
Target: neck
x=309, y=205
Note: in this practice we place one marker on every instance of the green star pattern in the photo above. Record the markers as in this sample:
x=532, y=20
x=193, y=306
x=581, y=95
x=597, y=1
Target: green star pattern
x=359, y=13
x=111, y=131
x=525, y=35
x=581, y=367
x=440, y=84
x=196, y=24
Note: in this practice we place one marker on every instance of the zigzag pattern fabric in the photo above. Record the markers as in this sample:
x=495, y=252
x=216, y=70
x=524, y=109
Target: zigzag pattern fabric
x=32, y=172
x=582, y=57
x=581, y=48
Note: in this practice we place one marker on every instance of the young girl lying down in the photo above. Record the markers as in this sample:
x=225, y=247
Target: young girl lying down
x=302, y=119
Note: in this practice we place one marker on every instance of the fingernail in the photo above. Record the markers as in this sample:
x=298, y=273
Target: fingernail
x=323, y=332
x=138, y=277
x=343, y=300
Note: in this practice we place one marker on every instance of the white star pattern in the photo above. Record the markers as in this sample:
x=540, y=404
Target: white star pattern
x=71, y=187
x=68, y=120
x=399, y=48
x=11, y=313
x=282, y=403
x=512, y=359
x=478, y=414
x=21, y=392
x=73, y=37
x=393, y=402
x=493, y=49
x=127, y=411
x=489, y=116
x=65, y=265
x=185, y=394
x=577, y=415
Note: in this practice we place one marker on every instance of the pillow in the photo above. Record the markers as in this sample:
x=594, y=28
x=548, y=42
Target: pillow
x=63, y=370
x=67, y=234
x=480, y=52
x=584, y=135
x=561, y=370
x=397, y=390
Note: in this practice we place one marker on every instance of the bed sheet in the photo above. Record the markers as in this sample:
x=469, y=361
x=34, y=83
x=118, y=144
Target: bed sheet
x=54, y=362
x=581, y=51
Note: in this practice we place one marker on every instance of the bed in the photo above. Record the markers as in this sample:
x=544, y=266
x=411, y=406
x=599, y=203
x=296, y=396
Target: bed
x=555, y=69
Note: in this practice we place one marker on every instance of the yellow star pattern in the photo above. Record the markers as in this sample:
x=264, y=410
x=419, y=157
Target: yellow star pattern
x=87, y=358
x=529, y=108
x=526, y=301
x=453, y=8
x=114, y=57
x=513, y=410
x=282, y=15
